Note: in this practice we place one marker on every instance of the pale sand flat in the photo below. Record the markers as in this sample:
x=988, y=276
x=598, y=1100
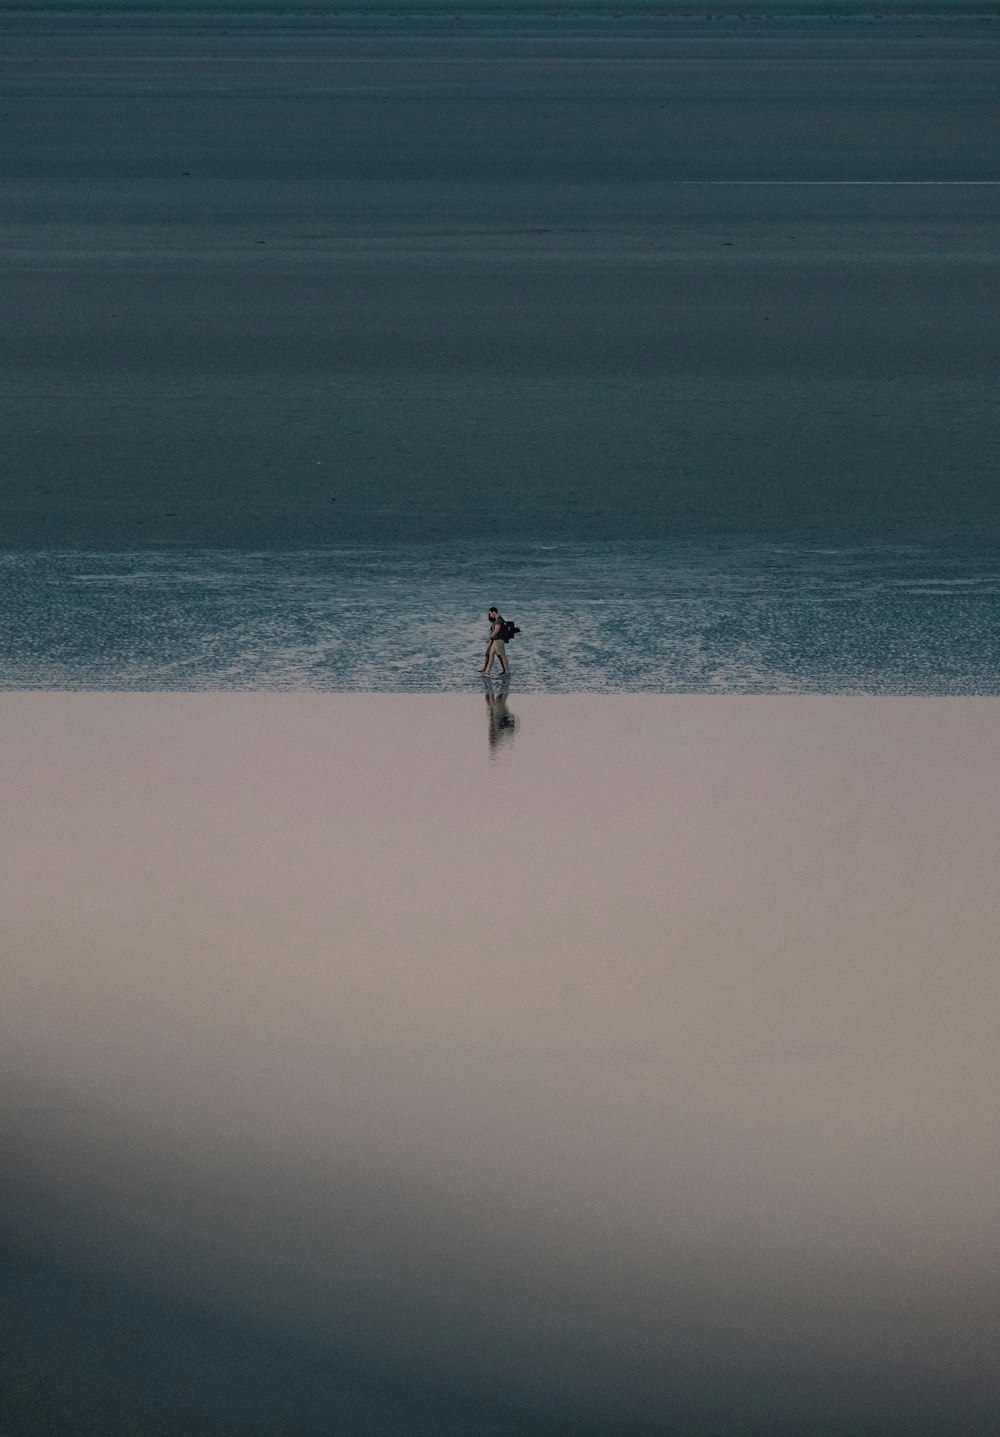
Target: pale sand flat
x=666, y=1075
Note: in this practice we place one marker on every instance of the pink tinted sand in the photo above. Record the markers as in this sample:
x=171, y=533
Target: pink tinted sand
x=664, y=1014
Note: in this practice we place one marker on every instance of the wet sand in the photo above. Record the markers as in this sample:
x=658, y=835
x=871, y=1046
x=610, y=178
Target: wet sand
x=311, y=282
x=597, y=1064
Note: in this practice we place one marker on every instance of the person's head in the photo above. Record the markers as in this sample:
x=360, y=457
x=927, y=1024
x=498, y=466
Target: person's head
x=494, y=612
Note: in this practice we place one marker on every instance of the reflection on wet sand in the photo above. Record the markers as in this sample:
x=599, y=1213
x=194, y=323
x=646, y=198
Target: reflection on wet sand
x=659, y=1097
x=502, y=722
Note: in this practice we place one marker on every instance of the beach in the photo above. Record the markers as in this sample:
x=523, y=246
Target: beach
x=609, y=1053
x=634, y=1071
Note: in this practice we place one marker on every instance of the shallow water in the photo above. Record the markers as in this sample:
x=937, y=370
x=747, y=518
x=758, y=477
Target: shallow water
x=595, y=618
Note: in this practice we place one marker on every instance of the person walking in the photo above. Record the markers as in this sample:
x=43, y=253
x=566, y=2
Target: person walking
x=496, y=648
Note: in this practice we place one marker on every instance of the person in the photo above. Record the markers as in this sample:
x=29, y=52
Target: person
x=496, y=648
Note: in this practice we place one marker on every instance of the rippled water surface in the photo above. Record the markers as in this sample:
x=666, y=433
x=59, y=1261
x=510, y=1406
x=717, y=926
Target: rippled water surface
x=611, y=617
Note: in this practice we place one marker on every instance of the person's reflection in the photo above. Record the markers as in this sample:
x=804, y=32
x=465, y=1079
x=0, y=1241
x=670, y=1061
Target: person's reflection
x=502, y=722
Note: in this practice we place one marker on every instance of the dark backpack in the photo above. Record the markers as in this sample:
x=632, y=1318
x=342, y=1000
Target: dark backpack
x=508, y=630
